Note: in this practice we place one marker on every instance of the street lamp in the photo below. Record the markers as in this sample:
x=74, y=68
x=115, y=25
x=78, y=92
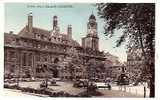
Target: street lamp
x=145, y=87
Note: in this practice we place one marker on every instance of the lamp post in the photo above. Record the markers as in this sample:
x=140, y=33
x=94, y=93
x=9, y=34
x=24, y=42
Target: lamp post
x=144, y=85
x=18, y=76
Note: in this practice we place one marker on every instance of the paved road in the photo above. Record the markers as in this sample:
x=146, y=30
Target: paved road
x=107, y=94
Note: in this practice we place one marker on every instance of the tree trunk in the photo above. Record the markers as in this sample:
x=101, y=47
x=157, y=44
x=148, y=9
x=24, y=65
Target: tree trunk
x=152, y=81
x=152, y=89
x=150, y=65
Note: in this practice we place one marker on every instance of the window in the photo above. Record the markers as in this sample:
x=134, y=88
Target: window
x=38, y=36
x=46, y=47
x=30, y=59
x=45, y=58
x=49, y=39
x=13, y=41
x=38, y=57
x=38, y=70
x=56, y=60
x=39, y=46
x=24, y=43
x=17, y=41
x=58, y=39
x=42, y=37
x=52, y=58
x=24, y=59
x=35, y=35
x=45, y=38
x=12, y=54
x=12, y=69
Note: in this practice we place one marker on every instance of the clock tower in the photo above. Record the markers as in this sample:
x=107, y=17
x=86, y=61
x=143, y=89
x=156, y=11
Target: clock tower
x=91, y=40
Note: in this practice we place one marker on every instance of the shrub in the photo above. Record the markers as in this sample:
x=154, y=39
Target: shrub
x=6, y=86
x=11, y=86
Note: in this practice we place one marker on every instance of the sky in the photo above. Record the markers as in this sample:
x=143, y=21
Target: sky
x=68, y=13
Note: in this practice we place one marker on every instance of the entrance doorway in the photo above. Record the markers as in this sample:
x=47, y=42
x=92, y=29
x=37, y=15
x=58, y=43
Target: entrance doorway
x=55, y=68
x=55, y=72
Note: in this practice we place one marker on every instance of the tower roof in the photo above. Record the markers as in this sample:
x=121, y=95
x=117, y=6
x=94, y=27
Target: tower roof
x=30, y=14
x=54, y=16
x=92, y=17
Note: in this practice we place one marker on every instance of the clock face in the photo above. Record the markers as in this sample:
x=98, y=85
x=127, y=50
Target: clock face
x=92, y=24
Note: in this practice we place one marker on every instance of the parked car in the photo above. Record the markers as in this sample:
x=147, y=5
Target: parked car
x=80, y=83
x=123, y=80
x=44, y=84
x=52, y=82
x=92, y=86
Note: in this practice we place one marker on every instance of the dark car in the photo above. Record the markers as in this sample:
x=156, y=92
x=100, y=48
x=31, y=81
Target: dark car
x=80, y=83
x=44, y=84
x=53, y=82
x=92, y=86
x=123, y=80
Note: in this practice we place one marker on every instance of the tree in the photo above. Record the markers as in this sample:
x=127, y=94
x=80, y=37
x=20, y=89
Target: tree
x=138, y=24
x=74, y=62
x=94, y=67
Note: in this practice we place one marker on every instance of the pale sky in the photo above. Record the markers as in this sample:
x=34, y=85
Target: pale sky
x=75, y=14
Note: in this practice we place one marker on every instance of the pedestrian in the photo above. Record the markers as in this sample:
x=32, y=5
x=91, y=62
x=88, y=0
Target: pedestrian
x=106, y=83
x=109, y=86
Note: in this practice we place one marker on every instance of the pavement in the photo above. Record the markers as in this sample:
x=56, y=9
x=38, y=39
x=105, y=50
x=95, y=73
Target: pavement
x=117, y=94
x=68, y=87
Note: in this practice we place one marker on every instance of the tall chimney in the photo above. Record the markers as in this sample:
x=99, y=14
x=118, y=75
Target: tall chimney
x=69, y=31
x=10, y=32
x=30, y=22
x=55, y=22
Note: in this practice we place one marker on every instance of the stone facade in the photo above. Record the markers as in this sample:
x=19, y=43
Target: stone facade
x=36, y=52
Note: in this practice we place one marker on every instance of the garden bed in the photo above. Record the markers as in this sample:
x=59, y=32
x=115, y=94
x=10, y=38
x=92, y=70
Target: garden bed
x=44, y=91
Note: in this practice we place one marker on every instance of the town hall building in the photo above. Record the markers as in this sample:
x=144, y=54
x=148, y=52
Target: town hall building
x=38, y=53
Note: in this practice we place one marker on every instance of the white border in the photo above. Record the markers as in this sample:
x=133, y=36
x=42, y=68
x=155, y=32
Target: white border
x=84, y=1
x=1, y=47
x=157, y=54
x=157, y=63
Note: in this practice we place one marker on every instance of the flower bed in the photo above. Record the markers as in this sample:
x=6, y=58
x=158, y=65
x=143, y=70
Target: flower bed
x=12, y=86
x=44, y=91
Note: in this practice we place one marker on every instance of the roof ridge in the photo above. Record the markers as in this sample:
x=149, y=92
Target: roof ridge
x=41, y=29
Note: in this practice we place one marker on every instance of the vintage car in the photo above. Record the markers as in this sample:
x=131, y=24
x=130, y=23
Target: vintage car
x=52, y=82
x=80, y=83
x=44, y=84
